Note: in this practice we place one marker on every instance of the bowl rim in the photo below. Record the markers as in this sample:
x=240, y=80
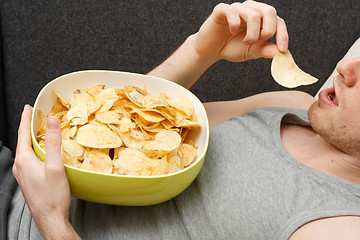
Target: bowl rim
x=199, y=158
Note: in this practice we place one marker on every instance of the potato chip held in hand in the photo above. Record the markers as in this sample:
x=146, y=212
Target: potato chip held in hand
x=286, y=73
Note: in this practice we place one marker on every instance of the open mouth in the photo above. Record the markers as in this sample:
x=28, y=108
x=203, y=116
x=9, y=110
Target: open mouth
x=328, y=96
x=332, y=97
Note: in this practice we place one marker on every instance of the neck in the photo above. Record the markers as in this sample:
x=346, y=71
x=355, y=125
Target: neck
x=312, y=150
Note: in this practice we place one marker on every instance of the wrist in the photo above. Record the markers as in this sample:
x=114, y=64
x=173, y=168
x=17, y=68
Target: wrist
x=202, y=56
x=53, y=227
x=185, y=65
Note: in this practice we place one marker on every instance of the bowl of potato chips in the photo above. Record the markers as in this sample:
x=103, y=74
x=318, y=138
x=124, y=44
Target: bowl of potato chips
x=127, y=139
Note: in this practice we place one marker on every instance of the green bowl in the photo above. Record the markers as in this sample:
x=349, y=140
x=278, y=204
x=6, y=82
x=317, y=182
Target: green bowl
x=118, y=189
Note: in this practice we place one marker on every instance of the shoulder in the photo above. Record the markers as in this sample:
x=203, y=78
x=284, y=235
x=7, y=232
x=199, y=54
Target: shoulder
x=343, y=227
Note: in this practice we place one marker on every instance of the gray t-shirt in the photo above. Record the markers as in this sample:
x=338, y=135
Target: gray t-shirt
x=249, y=188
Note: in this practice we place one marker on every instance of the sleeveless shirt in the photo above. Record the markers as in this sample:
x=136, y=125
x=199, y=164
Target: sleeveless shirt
x=249, y=188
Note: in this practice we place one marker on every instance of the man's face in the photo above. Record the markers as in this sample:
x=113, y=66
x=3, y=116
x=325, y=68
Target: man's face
x=336, y=115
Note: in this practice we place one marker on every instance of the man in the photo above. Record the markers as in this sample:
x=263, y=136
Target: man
x=268, y=174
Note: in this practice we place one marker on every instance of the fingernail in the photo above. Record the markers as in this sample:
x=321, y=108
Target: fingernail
x=52, y=123
x=282, y=46
x=27, y=106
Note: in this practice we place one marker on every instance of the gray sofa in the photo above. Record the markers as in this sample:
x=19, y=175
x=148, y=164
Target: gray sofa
x=41, y=40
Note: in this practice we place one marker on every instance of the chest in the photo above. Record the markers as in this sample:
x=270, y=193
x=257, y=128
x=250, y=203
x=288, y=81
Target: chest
x=296, y=141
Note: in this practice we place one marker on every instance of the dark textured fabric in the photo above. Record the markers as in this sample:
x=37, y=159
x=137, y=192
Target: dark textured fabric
x=45, y=39
x=7, y=187
x=3, y=120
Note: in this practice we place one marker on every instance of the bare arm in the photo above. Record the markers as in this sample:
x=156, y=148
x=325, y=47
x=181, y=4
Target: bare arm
x=344, y=228
x=219, y=112
x=184, y=66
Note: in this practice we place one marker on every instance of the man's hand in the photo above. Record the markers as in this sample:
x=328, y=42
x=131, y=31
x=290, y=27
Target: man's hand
x=235, y=32
x=44, y=184
x=239, y=32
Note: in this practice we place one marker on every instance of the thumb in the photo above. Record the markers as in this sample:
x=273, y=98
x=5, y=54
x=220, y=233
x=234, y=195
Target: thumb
x=53, y=144
x=263, y=50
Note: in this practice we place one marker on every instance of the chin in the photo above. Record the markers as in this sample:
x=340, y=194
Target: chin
x=320, y=121
x=333, y=130
x=313, y=111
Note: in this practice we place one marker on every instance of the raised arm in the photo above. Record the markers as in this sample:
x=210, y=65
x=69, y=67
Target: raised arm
x=235, y=32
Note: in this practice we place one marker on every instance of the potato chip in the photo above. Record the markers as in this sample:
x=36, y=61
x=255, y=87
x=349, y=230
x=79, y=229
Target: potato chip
x=95, y=90
x=62, y=116
x=183, y=133
x=83, y=97
x=61, y=100
x=109, y=117
x=150, y=116
x=92, y=120
x=187, y=124
x=161, y=168
x=286, y=73
x=163, y=143
x=148, y=126
x=140, y=134
x=93, y=104
x=134, y=162
x=41, y=131
x=144, y=134
x=182, y=104
x=78, y=114
x=135, y=94
x=58, y=108
x=154, y=101
x=187, y=153
x=42, y=143
x=131, y=142
x=96, y=136
x=73, y=160
x=68, y=132
x=168, y=113
x=167, y=124
x=121, y=93
x=109, y=97
x=125, y=125
x=72, y=152
x=97, y=161
x=175, y=164
x=121, y=107
x=72, y=148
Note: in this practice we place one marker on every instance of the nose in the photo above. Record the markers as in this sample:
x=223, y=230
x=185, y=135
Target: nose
x=350, y=70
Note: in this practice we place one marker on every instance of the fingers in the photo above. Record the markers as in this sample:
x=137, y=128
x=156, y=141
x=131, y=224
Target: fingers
x=232, y=17
x=267, y=15
x=53, y=161
x=24, y=137
x=253, y=20
x=24, y=153
x=282, y=36
x=23, y=147
x=263, y=49
x=261, y=21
